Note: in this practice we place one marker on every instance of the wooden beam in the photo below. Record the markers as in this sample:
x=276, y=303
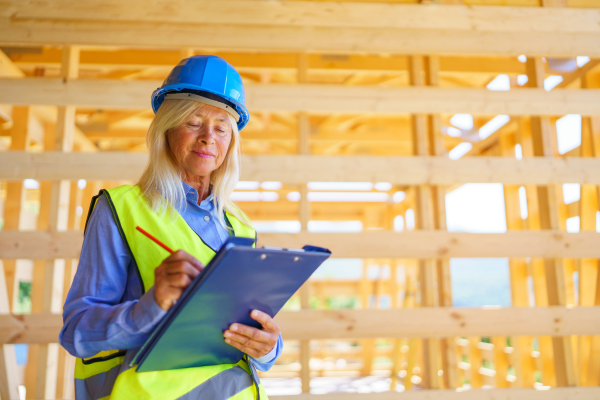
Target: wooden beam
x=424, y=220
x=304, y=214
x=42, y=113
x=372, y=244
x=15, y=194
x=119, y=94
x=307, y=13
x=58, y=221
x=543, y=139
x=100, y=58
x=303, y=25
x=579, y=73
x=15, y=199
x=576, y=393
x=433, y=170
x=9, y=381
x=438, y=322
x=427, y=322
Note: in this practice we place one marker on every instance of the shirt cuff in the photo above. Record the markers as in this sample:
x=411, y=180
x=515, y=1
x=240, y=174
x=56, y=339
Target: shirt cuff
x=151, y=313
x=268, y=357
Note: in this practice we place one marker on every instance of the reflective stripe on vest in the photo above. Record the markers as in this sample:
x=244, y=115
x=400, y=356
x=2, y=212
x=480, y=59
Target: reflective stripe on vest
x=96, y=386
x=108, y=373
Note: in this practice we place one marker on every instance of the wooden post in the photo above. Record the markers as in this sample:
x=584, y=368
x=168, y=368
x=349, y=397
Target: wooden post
x=9, y=381
x=58, y=219
x=365, y=295
x=37, y=283
x=304, y=215
x=410, y=300
x=15, y=196
x=66, y=363
x=444, y=285
x=371, y=219
x=425, y=218
x=545, y=359
x=475, y=360
x=518, y=274
x=589, y=357
x=395, y=303
x=548, y=206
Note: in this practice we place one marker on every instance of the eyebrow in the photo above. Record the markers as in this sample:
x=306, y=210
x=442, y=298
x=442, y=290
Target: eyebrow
x=221, y=119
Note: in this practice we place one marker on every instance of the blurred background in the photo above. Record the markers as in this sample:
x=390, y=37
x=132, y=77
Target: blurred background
x=446, y=152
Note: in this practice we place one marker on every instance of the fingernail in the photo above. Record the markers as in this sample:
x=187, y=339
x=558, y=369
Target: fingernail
x=255, y=313
x=227, y=341
x=227, y=333
x=234, y=327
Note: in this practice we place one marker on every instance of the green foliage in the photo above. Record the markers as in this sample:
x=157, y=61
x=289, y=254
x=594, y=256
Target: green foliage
x=293, y=304
x=23, y=305
x=341, y=302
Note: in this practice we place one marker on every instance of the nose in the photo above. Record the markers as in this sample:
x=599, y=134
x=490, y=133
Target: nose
x=207, y=134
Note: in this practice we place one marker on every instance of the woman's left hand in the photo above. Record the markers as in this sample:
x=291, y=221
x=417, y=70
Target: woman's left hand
x=254, y=342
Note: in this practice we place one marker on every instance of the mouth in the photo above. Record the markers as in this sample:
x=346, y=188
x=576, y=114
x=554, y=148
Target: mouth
x=203, y=154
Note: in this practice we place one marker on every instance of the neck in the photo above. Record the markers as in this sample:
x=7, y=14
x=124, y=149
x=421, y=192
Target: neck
x=200, y=183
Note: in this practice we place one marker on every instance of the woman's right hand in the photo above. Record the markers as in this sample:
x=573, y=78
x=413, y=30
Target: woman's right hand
x=172, y=276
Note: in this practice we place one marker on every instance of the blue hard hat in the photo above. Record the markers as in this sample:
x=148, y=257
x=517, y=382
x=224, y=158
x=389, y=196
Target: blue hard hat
x=212, y=79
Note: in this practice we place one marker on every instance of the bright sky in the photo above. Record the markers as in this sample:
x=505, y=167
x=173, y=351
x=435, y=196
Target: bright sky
x=476, y=207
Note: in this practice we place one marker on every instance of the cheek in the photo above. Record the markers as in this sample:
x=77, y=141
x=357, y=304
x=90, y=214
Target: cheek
x=223, y=147
x=177, y=141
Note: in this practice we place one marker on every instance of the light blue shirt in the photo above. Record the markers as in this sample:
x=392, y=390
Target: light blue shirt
x=105, y=308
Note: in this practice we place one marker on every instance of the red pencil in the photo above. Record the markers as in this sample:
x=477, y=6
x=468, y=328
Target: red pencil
x=158, y=242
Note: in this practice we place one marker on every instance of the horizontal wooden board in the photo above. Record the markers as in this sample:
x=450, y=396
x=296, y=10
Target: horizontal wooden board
x=311, y=13
x=164, y=60
x=571, y=393
x=296, y=169
x=430, y=322
x=364, y=324
x=306, y=26
x=119, y=94
x=438, y=244
x=370, y=244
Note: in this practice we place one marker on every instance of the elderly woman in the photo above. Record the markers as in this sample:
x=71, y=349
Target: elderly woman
x=125, y=284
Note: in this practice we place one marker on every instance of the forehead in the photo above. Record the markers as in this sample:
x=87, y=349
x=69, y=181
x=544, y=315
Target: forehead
x=210, y=112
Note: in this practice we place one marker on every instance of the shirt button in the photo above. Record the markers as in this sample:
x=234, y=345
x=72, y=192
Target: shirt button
x=207, y=218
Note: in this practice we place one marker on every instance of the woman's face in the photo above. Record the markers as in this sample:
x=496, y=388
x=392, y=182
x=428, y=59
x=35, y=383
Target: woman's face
x=200, y=144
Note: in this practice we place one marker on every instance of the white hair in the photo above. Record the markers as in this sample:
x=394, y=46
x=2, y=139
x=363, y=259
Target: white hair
x=161, y=182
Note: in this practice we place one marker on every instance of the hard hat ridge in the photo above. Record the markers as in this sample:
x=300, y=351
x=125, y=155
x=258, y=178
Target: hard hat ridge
x=207, y=79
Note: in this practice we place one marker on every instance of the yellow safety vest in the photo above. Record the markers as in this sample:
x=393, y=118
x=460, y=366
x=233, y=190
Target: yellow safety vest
x=107, y=375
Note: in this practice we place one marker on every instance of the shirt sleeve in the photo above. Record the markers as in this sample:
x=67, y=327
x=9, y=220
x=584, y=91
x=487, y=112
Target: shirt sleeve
x=97, y=314
x=265, y=362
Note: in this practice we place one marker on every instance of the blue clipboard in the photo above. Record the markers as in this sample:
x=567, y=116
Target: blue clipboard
x=238, y=279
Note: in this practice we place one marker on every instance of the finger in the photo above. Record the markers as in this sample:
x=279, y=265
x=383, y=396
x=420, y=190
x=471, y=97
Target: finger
x=180, y=267
x=263, y=341
x=249, y=343
x=177, y=280
x=265, y=321
x=254, y=353
x=250, y=332
x=181, y=255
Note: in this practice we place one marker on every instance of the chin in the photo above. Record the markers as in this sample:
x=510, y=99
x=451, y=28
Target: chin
x=202, y=170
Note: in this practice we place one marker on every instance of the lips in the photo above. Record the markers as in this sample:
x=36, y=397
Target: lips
x=203, y=154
